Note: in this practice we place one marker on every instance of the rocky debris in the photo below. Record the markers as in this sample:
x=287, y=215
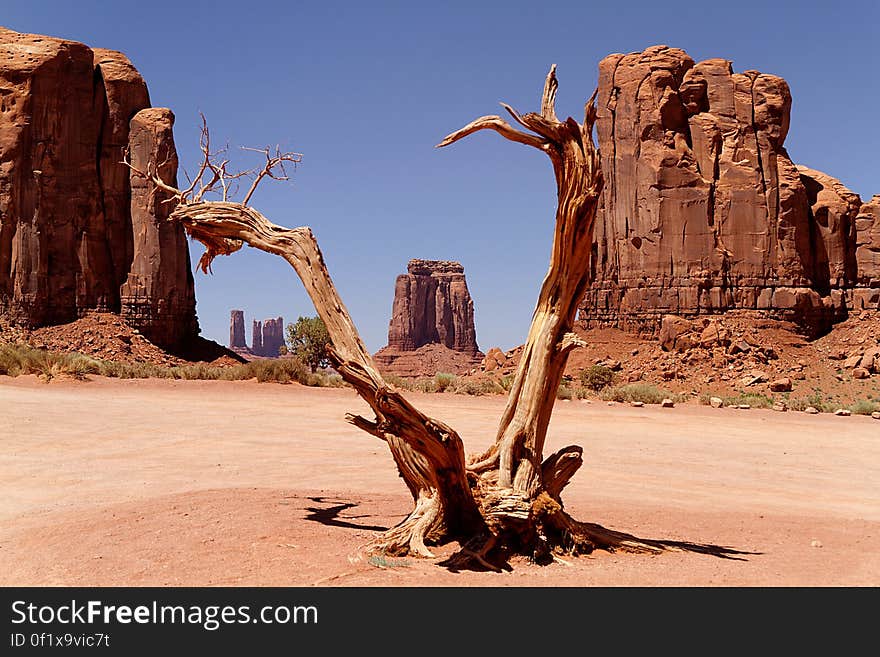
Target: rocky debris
x=844, y=412
x=432, y=306
x=237, y=338
x=876, y=415
x=780, y=407
x=667, y=403
x=860, y=373
x=494, y=359
x=106, y=336
x=781, y=385
x=675, y=333
x=427, y=361
x=812, y=410
x=703, y=211
x=716, y=402
x=79, y=233
x=754, y=377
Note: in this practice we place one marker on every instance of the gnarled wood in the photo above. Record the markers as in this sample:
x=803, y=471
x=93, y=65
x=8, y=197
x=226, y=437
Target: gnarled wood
x=508, y=499
x=519, y=444
x=428, y=453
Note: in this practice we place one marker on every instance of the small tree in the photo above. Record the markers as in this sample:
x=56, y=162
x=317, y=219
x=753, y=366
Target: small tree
x=308, y=339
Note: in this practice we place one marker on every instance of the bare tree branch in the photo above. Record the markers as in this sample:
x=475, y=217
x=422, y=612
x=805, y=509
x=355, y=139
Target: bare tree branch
x=497, y=124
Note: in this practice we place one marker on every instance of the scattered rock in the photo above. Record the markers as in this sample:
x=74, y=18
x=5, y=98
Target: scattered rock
x=637, y=404
x=876, y=415
x=781, y=385
x=716, y=402
x=852, y=361
x=812, y=410
x=842, y=412
x=667, y=403
x=780, y=407
x=860, y=373
x=754, y=377
x=816, y=544
x=743, y=407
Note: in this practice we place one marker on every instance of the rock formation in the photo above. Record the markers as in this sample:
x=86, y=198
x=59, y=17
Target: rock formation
x=236, y=330
x=432, y=306
x=273, y=337
x=257, y=338
x=76, y=234
x=267, y=336
x=704, y=211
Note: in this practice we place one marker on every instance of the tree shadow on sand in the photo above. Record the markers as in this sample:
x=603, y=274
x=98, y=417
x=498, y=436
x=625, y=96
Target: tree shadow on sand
x=460, y=561
x=330, y=515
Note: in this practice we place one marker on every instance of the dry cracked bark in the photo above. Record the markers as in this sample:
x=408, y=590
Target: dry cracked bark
x=507, y=500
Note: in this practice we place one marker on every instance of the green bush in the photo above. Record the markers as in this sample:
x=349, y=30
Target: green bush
x=597, y=377
x=308, y=339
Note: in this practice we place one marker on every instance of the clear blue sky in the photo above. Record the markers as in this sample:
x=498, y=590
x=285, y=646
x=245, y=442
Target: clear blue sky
x=365, y=89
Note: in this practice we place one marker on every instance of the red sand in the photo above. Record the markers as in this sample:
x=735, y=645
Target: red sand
x=153, y=482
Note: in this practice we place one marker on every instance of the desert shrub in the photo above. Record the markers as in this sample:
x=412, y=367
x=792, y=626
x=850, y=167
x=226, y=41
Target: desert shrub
x=815, y=400
x=641, y=392
x=753, y=399
x=20, y=359
x=597, y=377
x=443, y=381
x=506, y=382
x=564, y=392
x=483, y=387
x=399, y=382
x=864, y=407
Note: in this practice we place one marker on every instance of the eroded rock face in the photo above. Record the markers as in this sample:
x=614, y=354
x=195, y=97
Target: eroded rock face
x=868, y=246
x=158, y=296
x=74, y=236
x=432, y=305
x=237, y=338
x=703, y=210
x=272, y=337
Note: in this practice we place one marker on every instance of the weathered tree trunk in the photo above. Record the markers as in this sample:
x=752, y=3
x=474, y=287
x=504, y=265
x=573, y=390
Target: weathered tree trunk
x=508, y=499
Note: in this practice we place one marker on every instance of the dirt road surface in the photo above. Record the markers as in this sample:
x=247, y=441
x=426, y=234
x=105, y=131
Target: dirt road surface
x=154, y=482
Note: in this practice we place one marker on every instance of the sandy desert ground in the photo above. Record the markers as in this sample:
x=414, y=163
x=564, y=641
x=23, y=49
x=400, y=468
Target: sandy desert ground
x=156, y=482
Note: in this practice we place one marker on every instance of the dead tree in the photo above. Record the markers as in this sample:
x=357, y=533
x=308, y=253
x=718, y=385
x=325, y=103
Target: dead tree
x=507, y=500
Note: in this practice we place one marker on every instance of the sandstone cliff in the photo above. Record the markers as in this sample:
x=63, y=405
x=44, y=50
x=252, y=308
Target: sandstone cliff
x=74, y=235
x=703, y=210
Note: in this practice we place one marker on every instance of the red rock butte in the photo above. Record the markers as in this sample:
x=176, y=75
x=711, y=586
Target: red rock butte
x=78, y=232
x=704, y=211
x=432, y=311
